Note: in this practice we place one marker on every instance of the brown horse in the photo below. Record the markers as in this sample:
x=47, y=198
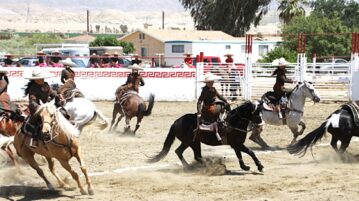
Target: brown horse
x=10, y=123
x=61, y=143
x=131, y=105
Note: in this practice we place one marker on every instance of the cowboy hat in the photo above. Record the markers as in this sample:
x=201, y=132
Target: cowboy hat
x=40, y=53
x=135, y=67
x=8, y=55
x=105, y=54
x=209, y=77
x=280, y=62
x=187, y=53
x=115, y=53
x=56, y=52
x=228, y=55
x=3, y=70
x=37, y=74
x=68, y=62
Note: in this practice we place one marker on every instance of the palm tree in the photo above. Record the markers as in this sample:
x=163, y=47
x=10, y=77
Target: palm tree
x=291, y=8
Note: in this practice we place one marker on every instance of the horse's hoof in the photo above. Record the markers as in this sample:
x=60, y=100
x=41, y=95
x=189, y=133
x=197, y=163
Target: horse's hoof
x=260, y=167
x=91, y=192
x=245, y=167
x=83, y=192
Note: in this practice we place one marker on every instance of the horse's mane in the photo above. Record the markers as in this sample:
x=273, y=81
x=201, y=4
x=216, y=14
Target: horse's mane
x=63, y=124
x=245, y=107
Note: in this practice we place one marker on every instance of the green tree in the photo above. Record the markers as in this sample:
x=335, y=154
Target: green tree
x=112, y=41
x=279, y=52
x=105, y=41
x=233, y=17
x=347, y=11
x=320, y=43
x=127, y=47
x=291, y=8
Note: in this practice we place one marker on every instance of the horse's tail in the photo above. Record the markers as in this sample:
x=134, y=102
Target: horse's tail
x=151, y=102
x=166, y=146
x=104, y=122
x=300, y=147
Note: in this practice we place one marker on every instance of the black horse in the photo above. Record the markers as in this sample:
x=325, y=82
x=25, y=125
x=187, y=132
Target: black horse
x=237, y=122
x=343, y=132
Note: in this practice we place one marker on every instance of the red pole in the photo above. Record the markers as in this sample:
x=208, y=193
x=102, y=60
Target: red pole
x=251, y=44
x=353, y=43
x=201, y=55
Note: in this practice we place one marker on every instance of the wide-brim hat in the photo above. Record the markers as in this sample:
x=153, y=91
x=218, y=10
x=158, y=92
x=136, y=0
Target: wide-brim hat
x=209, y=77
x=38, y=73
x=115, y=53
x=187, y=53
x=228, y=55
x=40, y=53
x=68, y=62
x=106, y=54
x=8, y=55
x=135, y=67
x=56, y=52
x=3, y=70
x=280, y=62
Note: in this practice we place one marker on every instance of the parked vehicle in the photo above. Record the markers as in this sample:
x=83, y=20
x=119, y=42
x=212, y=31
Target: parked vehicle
x=80, y=56
x=333, y=66
x=27, y=62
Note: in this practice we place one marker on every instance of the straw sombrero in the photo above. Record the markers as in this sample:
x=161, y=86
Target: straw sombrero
x=56, y=52
x=68, y=62
x=280, y=62
x=115, y=54
x=3, y=70
x=209, y=77
x=8, y=55
x=40, y=53
x=135, y=67
x=188, y=53
x=228, y=55
x=38, y=73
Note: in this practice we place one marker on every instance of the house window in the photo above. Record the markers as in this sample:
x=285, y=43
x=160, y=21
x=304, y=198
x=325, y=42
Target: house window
x=142, y=36
x=143, y=52
x=177, y=48
x=228, y=47
x=262, y=50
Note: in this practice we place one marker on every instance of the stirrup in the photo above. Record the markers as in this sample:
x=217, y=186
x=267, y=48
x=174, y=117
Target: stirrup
x=32, y=143
x=280, y=115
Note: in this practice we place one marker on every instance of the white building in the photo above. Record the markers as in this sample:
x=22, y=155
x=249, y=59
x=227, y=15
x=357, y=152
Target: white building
x=175, y=49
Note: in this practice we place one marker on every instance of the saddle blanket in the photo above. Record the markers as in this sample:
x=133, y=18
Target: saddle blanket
x=353, y=108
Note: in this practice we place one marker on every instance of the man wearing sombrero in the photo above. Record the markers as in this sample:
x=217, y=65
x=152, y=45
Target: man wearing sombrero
x=207, y=109
x=55, y=59
x=41, y=59
x=69, y=90
x=188, y=59
x=281, y=78
x=8, y=61
x=37, y=90
x=133, y=82
x=5, y=102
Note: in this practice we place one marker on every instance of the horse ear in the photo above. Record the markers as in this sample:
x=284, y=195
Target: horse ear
x=41, y=103
x=52, y=102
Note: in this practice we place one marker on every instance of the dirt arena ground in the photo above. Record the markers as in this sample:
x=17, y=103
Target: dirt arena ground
x=120, y=172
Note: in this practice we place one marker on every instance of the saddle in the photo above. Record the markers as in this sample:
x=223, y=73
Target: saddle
x=271, y=100
x=353, y=108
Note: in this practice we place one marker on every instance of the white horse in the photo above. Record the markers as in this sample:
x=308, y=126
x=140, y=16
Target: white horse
x=82, y=112
x=294, y=115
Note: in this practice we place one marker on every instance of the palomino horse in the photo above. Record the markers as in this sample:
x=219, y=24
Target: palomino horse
x=82, y=112
x=341, y=124
x=237, y=120
x=61, y=143
x=131, y=105
x=294, y=115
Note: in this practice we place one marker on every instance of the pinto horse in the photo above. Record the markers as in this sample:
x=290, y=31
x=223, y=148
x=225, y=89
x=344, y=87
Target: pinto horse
x=340, y=124
x=131, y=105
x=237, y=121
x=61, y=143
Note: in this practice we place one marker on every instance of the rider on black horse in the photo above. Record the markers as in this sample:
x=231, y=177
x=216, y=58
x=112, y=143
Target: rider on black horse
x=210, y=111
x=281, y=78
x=133, y=82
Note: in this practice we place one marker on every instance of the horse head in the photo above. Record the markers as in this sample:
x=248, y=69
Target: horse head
x=248, y=111
x=308, y=91
x=47, y=113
